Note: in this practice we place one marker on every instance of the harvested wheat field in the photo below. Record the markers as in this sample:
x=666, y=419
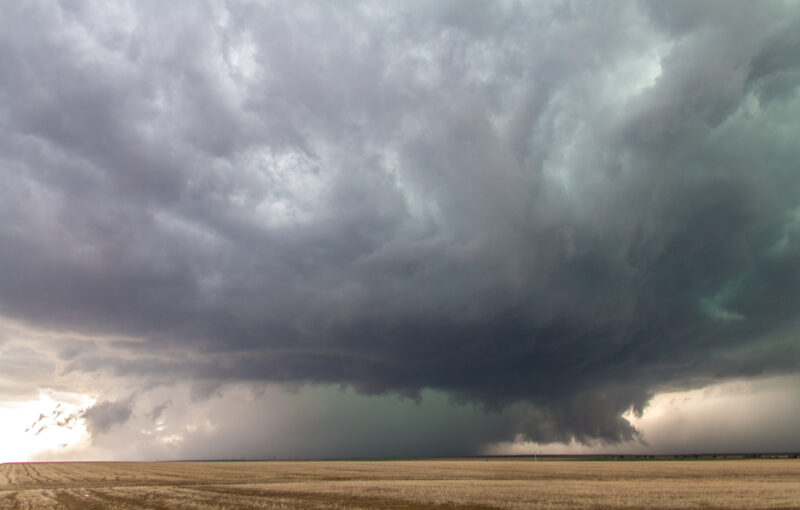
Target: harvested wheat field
x=444, y=484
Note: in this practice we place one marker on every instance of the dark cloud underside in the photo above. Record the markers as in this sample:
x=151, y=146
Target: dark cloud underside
x=570, y=205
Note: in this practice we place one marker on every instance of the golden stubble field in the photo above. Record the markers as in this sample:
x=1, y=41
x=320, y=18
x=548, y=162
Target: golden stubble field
x=443, y=484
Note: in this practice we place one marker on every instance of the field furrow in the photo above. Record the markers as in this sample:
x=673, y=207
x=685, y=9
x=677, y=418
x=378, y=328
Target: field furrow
x=446, y=485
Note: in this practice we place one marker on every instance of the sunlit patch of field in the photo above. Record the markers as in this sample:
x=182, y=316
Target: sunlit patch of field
x=444, y=484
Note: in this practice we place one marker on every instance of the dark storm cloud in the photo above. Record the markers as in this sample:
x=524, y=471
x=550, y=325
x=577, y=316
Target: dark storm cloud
x=104, y=415
x=572, y=205
x=158, y=410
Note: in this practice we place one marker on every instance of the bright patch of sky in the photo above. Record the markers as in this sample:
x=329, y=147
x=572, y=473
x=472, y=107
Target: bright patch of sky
x=50, y=426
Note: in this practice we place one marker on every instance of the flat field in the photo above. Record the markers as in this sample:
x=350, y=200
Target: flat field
x=443, y=484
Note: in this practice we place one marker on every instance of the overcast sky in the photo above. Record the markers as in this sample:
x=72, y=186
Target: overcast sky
x=254, y=229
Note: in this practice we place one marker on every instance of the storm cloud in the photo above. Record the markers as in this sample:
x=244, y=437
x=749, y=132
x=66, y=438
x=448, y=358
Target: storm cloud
x=567, y=206
x=104, y=415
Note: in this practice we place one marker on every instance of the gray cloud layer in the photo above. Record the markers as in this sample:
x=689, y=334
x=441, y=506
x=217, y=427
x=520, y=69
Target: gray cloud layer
x=101, y=417
x=568, y=205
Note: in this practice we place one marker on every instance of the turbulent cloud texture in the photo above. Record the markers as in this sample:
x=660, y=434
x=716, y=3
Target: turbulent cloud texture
x=568, y=205
x=101, y=417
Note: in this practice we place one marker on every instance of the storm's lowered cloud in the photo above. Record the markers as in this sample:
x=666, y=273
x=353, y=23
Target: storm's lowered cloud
x=104, y=415
x=565, y=205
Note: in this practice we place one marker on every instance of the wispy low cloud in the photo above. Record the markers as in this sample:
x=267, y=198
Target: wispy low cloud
x=564, y=208
x=101, y=417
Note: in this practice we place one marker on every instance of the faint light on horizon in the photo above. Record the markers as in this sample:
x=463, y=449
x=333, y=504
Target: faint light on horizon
x=47, y=428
